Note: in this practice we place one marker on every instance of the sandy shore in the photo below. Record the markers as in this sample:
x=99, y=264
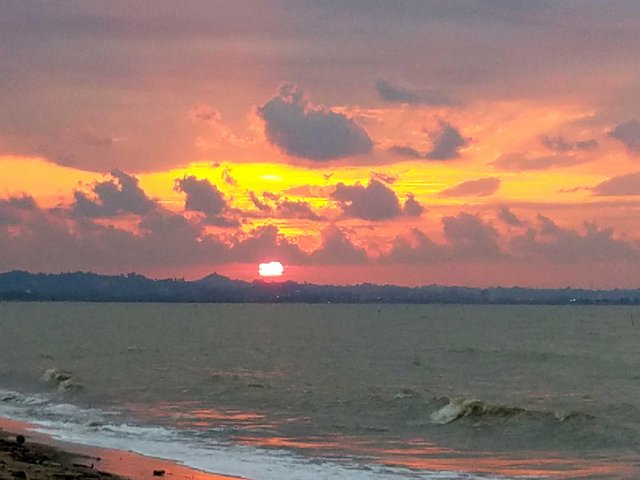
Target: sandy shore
x=43, y=458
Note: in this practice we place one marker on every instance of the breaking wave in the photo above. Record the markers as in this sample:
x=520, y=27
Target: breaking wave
x=460, y=408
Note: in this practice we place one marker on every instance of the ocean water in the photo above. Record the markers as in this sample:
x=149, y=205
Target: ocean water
x=356, y=392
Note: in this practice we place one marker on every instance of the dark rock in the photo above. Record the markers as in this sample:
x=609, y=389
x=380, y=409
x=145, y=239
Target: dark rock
x=19, y=474
x=20, y=439
x=158, y=473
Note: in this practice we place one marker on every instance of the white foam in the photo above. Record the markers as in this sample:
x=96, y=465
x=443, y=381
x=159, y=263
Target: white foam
x=69, y=423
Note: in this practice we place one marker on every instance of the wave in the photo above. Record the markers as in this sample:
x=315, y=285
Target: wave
x=105, y=429
x=459, y=408
x=61, y=379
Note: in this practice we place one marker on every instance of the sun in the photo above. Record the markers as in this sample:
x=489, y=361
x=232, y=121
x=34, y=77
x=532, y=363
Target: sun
x=271, y=269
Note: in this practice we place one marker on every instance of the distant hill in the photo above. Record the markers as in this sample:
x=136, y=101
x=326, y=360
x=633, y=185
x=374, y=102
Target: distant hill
x=91, y=287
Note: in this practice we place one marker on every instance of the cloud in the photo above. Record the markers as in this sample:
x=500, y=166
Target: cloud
x=447, y=141
x=510, y=218
x=481, y=187
x=404, y=151
x=296, y=209
x=374, y=202
x=265, y=242
x=414, y=248
x=518, y=162
x=412, y=208
x=273, y=205
x=201, y=196
x=22, y=202
x=469, y=236
x=446, y=144
x=629, y=134
x=14, y=209
x=552, y=243
x=622, y=185
x=60, y=240
x=259, y=204
x=561, y=144
x=120, y=195
x=395, y=94
x=314, y=133
x=337, y=249
x=384, y=177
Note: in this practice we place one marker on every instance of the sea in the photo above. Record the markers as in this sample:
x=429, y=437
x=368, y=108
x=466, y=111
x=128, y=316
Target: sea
x=333, y=391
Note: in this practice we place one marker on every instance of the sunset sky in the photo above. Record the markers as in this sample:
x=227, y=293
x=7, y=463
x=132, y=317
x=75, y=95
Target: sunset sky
x=489, y=142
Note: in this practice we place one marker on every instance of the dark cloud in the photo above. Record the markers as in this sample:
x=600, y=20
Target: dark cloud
x=395, y=94
x=447, y=141
x=629, y=134
x=274, y=197
x=120, y=195
x=376, y=201
x=414, y=248
x=259, y=204
x=480, y=187
x=228, y=178
x=469, y=236
x=384, y=177
x=408, y=152
x=264, y=243
x=60, y=240
x=510, y=218
x=561, y=144
x=412, y=208
x=518, y=162
x=304, y=131
x=338, y=249
x=14, y=209
x=552, y=243
x=622, y=185
x=22, y=202
x=201, y=196
x=296, y=209
x=446, y=144
x=275, y=206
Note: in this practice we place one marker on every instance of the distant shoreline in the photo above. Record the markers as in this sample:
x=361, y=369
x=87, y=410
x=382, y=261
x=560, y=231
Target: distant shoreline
x=23, y=286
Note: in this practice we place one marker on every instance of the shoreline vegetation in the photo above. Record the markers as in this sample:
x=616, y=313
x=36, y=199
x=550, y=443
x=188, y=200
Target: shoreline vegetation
x=41, y=457
x=214, y=288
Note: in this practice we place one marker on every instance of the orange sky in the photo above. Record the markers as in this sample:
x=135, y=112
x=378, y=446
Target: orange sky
x=411, y=144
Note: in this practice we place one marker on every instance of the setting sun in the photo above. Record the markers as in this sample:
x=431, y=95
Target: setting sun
x=271, y=269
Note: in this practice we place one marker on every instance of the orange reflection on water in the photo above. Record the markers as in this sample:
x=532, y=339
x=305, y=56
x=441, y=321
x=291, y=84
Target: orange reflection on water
x=193, y=414
x=421, y=455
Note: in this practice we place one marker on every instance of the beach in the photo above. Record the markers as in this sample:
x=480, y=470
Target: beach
x=42, y=457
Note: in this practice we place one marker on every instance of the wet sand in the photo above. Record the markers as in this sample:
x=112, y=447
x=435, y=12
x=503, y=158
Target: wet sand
x=44, y=458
